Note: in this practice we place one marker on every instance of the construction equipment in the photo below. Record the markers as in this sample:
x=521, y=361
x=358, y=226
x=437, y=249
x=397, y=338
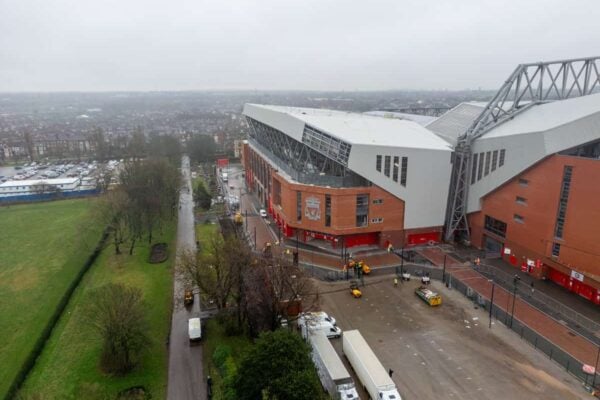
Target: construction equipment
x=360, y=265
x=238, y=219
x=428, y=296
x=188, y=297
x=354, y=290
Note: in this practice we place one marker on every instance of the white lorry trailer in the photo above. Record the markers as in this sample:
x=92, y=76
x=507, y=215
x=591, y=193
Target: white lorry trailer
x=333, y=375
x=370, y=372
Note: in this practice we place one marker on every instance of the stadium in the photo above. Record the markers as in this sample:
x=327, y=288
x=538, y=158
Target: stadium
x=517, y=177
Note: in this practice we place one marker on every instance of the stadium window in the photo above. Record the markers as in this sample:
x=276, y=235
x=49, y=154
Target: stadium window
x=395, y=169
x=523, y=182
x=387, y=165
x=502, y=156
x=495, y=226
x=299, y=205
x=480, y=166
x=362, y=210
x=521, y=200
x=487, y=163
x=378, y=163
x=555, y=249
x=519, y=218
x=474, y=168
x=494, y=160
x=327, y=210
x=376, y=220
x=404, y=171
x=378, y=201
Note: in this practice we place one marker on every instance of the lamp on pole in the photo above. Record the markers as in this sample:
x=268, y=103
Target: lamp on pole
x=492, y=301
x=296, y=256
x=596, y=368
x=444, y=270
x=516, y=280
x=402, y=260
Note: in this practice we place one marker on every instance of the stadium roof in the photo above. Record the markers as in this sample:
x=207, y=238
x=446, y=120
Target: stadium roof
x=456, y=121
x=419, y=119
x=546, y=116
x=361, y=129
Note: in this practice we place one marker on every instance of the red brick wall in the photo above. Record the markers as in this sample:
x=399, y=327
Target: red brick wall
x=580, y=247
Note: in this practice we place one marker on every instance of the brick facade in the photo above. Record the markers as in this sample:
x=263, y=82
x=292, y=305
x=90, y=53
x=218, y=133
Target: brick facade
x=534, y=195
x=280, y=196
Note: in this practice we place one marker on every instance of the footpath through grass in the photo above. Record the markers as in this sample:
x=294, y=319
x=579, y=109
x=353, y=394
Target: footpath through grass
x=42, y=248
x=69, y=365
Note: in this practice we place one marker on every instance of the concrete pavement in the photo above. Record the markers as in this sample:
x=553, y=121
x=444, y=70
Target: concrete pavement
x=186, y=376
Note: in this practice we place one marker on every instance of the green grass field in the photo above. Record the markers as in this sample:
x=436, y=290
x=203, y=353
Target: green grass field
x=68, y=367
x=42, y=248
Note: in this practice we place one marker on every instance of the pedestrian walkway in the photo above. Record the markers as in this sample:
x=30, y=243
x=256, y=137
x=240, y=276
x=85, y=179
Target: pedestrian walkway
x=570, y=341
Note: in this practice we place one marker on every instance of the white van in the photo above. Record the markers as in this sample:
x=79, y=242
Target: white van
x=307, y=323
x=323, y=316
x=194, y=329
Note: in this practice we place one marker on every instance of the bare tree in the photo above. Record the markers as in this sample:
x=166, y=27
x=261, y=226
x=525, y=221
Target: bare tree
x=210, y=271
x=117, y=313
x=270, y=286
x=112, y=210
x=29, y=143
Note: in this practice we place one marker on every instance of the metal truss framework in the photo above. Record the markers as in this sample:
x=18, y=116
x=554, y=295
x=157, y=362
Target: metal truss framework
x=528, y=86
x=301, y=162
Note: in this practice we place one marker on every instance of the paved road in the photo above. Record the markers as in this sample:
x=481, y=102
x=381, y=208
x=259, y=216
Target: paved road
x=446, y=352
x=186, y=377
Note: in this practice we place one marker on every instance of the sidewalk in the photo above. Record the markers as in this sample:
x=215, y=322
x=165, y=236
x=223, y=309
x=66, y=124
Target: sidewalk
x=572, y=343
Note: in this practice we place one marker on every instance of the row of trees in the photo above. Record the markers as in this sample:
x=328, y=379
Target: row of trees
x=140, y=205
x=136, y=146
x=145, y=199
x=257, y=288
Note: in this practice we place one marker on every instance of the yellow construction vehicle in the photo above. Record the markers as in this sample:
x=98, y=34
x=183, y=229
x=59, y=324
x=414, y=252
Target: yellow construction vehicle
x=354, y=290
x=188, y=297
x=428, y=296
x=238, y=219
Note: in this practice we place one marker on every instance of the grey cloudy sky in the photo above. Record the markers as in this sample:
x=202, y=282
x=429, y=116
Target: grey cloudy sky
x=85, y=45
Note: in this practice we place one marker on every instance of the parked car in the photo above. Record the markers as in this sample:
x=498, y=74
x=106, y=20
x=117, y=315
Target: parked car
x=263, y=213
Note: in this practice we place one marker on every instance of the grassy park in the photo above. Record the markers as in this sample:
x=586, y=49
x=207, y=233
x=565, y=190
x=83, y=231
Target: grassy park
x=42, y=248
x=68, y=367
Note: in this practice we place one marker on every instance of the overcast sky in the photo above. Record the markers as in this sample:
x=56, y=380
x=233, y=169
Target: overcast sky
x=105, y=45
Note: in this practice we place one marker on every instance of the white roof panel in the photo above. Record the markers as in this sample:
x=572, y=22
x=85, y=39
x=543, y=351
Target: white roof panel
x=419, y=119
x=546, y=116
x=456, y=121
x=30, y=182
x=364, y=129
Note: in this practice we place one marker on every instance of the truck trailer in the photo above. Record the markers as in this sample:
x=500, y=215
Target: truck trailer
x=370, y=372
x=333, y=375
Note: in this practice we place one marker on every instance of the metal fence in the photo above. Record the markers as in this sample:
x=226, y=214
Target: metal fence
x=576, y=321
x=555, y=353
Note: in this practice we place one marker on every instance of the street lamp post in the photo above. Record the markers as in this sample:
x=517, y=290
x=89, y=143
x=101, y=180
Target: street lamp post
x=444, y=270
x=596, y=368
x=402, y=261
x=512, y=313
x=492, y=301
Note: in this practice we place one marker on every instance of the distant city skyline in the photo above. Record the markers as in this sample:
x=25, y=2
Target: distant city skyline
x=267, y=45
